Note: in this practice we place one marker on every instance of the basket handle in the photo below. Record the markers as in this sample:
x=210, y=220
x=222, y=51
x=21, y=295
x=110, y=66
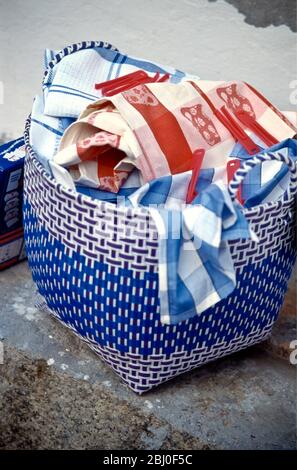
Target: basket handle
x=241, y=173
x=79, y=46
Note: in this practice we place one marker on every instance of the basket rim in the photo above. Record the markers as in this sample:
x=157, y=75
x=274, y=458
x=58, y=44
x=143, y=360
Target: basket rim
x=247, y=211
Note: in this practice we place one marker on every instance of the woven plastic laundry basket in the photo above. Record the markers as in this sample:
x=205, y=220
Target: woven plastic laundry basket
x=105, y=288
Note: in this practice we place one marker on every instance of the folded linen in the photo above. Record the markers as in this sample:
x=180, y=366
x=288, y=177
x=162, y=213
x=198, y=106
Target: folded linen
x=46, y=132
x=149, y=127
x=158, y=127
x=70, y=85
x=273, y=181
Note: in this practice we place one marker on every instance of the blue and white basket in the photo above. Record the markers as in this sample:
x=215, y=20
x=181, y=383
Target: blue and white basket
x=105, y=288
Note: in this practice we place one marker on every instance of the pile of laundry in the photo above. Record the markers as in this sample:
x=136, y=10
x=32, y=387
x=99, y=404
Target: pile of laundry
x=135, y=133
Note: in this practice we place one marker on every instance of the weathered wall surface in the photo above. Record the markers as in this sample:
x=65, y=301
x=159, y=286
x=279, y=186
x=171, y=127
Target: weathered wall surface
x=54, y=392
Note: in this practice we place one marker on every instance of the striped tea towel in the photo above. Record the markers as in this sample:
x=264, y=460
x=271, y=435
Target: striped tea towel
x=70, y=85
x=156, y=128
x=195, y=265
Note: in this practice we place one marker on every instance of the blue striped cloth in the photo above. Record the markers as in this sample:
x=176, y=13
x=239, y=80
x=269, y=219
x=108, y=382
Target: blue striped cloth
x=195, y=265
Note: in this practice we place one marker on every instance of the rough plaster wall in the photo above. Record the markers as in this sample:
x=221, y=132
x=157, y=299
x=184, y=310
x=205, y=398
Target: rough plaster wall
x=210, y=39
